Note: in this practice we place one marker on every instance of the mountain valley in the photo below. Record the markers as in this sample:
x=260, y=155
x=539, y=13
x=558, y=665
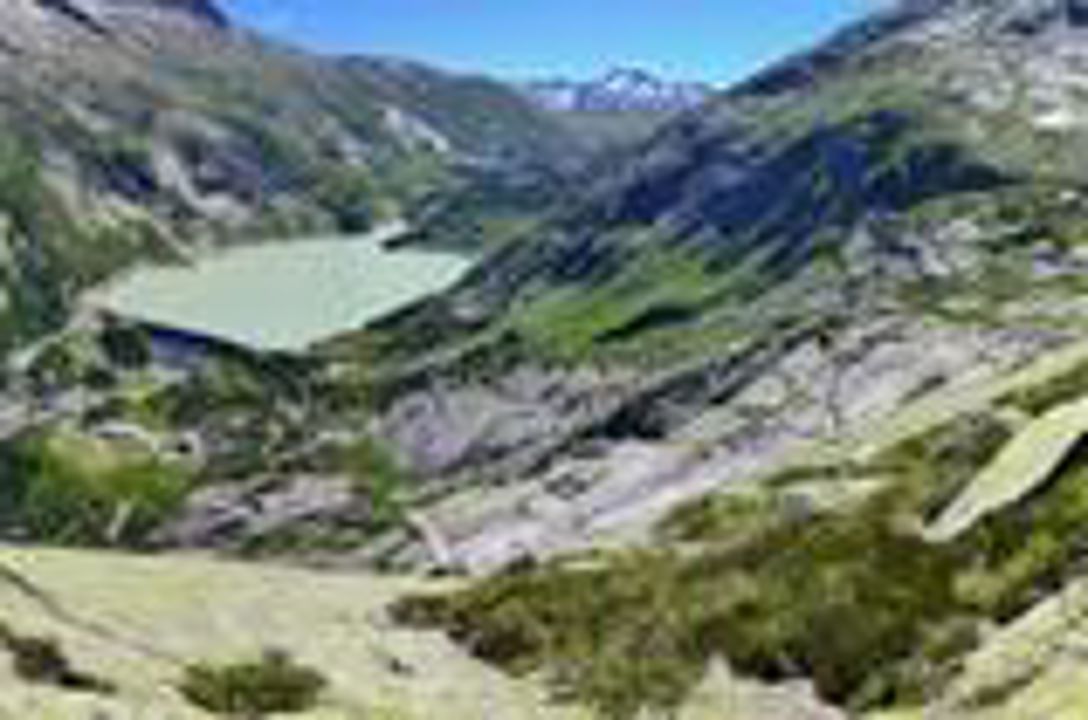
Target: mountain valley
x=774, y=412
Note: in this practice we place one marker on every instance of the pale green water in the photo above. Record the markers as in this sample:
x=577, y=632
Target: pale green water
x=284, y=296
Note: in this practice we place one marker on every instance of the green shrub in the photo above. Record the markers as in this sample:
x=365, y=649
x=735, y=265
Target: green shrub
x=378, y=476
x=125, y=345
x=273, y=683
x=221, y=387
x=1030, y=549
x=844, y=600
x=66, y=505
x=56, y=366
x=56, y=496
x=935, y=466
x=733, y=518
x=351, y=196
x=1037, y=399
x=41, y=660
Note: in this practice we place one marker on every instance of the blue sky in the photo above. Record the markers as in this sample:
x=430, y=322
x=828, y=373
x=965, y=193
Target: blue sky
x=715, y=40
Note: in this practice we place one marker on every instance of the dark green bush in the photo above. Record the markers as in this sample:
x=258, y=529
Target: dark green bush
x=933, y=467
x=56, y=498
x=41, y=660
x=1062, y=388
x=844, y=600
x=125, y=345
x=1031, y=549
x=273, y=683
x=378, y=476
x=724, y=518
x=55, y=367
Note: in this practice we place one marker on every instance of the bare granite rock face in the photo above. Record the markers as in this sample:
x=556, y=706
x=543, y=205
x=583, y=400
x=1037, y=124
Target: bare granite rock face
x=558, y=489
x=448, y=427
x=229, y=516
x=97, y=15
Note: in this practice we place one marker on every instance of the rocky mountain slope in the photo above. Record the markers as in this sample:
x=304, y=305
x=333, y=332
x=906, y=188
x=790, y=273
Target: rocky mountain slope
x=794, y=392
x=131, y=124
x=851, y=227
x=830, y=298
x=863, y=195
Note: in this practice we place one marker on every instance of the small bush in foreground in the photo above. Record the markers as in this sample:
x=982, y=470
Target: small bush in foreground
x=42, y=661
x=274, y=683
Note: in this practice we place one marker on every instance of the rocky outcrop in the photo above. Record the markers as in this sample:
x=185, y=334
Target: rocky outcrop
x=98, y=14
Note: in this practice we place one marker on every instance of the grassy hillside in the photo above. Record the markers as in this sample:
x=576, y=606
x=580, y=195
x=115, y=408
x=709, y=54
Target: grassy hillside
x=138, y=622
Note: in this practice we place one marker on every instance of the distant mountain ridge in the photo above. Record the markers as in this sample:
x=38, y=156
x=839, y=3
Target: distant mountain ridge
x=618, y=90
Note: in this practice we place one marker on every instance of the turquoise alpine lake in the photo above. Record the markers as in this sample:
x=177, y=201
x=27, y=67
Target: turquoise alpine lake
x=282, y=296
